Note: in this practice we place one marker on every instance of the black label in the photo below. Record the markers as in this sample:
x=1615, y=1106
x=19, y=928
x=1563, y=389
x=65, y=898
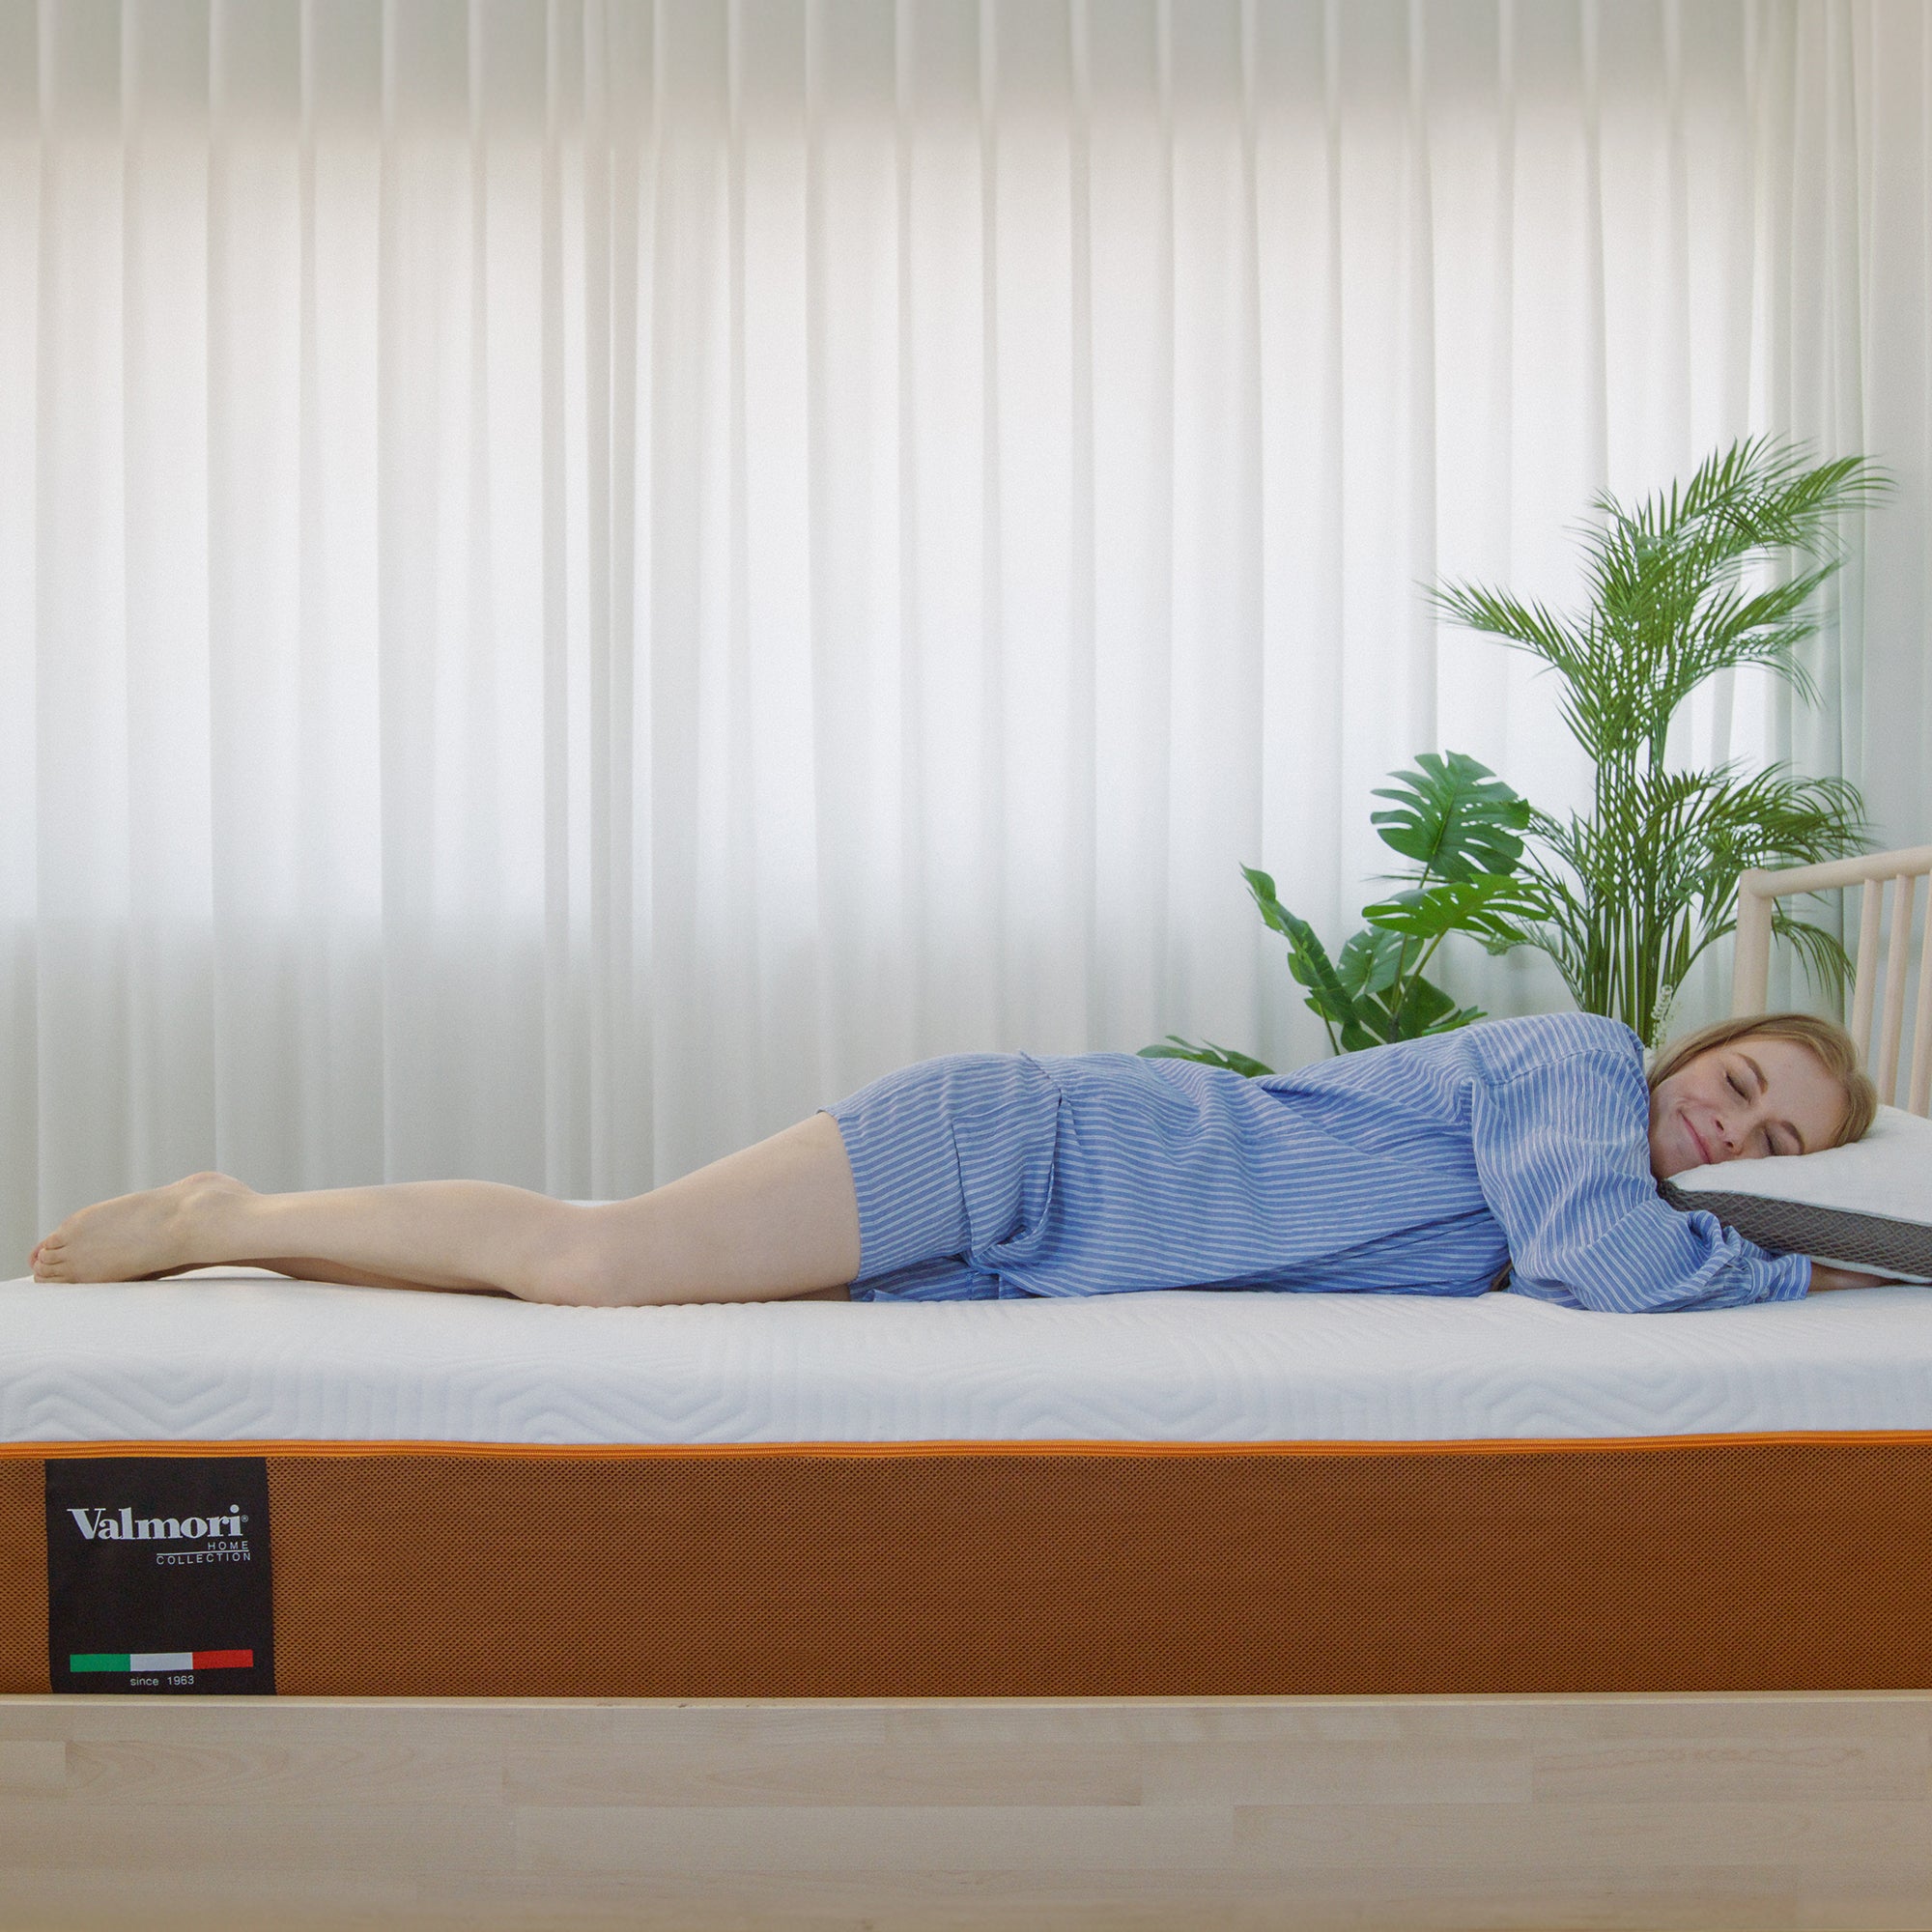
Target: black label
x=157, y=1575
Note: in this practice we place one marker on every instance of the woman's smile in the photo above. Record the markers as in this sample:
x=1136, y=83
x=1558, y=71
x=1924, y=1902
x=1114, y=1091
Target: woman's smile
x=1742, y=1101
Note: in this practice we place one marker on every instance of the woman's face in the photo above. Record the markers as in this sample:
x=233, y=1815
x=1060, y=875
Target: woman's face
x=1756, y=1096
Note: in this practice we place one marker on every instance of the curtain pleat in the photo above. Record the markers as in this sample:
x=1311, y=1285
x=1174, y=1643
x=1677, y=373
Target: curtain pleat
x=579, y=577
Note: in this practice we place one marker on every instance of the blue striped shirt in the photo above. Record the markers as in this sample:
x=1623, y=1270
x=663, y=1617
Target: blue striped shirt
x=1527, y=1139
x=1418, y=1168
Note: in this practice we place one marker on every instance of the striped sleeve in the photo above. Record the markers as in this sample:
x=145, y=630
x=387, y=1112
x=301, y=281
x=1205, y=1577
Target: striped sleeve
x=1573, y=1191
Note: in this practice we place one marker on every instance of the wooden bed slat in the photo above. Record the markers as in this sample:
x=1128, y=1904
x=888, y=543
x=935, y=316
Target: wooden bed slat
x=1895, y=989
x=1871, y=911
x=1919, y=1096
x=1751, y=973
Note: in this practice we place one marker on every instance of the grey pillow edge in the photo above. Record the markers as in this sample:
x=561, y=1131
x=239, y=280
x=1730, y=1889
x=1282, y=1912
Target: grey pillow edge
x=1869, y=1241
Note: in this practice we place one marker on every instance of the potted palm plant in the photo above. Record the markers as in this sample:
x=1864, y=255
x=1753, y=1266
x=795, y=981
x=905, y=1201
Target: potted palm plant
x=1627, y=896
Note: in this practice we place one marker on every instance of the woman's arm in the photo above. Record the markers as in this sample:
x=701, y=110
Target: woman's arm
x=1564, y=1165
x=1824, y=1278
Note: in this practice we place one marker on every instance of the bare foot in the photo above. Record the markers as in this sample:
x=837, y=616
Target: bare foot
x=138, y=1236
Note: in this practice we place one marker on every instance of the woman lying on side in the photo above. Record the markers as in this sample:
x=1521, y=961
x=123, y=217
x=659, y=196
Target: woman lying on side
x=1424, y=1168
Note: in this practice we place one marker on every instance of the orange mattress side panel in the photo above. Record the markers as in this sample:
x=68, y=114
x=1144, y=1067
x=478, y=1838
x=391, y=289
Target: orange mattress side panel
x=1740, y=1566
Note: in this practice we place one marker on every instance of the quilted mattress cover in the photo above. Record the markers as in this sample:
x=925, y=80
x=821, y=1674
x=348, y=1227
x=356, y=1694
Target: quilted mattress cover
x=244, y=1355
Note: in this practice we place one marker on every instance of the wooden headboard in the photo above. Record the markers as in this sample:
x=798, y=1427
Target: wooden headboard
x=1876, y=964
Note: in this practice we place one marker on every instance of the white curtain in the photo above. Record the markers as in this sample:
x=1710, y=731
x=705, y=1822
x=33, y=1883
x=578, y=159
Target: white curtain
x=577, y=579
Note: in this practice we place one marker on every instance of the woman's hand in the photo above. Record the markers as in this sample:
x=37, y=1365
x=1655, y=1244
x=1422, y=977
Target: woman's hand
x=1824, y=1278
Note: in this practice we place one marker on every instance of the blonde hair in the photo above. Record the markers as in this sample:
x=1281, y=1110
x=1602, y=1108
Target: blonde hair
x=1828, y=1040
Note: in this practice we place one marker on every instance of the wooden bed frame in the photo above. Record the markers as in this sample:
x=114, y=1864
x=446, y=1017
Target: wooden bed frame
x=1794, y=1810
x=1307, y=1813
x=1876, y=967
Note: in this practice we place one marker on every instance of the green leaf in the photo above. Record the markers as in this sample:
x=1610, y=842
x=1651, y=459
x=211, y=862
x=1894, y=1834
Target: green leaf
x=1205, y=1056
x=1261, y=886
x=1308, y=960
x=1428, y=1009
x=1476, y=906
x=1454, y=816
x=1370, y=962
x=1424, y=1008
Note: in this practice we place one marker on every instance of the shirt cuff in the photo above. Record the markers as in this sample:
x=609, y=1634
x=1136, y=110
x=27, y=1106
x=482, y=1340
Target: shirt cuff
x=1790, y=1279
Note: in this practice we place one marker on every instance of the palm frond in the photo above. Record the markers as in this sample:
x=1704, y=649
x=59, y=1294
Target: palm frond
x=1821, y=953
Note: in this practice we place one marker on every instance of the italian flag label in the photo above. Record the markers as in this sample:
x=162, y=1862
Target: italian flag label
x=151, y=1662
x=159, y=1576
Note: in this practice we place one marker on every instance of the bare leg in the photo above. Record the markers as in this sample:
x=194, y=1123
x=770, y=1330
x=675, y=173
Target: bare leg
x=777, y=1220
x=312, y=1267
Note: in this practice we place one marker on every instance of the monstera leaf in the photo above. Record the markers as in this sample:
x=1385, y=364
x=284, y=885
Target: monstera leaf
x=1482, y=905
x=1371, y=962
x=1454, y=817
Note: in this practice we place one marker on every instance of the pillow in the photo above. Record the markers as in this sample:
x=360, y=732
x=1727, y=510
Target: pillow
x=1867, y=1205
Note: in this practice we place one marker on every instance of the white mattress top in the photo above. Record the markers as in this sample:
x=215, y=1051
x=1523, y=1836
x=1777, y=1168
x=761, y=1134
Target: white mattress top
x=238, y=1354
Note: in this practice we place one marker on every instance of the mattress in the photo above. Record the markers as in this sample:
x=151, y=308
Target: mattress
x=242, y=1356
x=1178, y=1493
